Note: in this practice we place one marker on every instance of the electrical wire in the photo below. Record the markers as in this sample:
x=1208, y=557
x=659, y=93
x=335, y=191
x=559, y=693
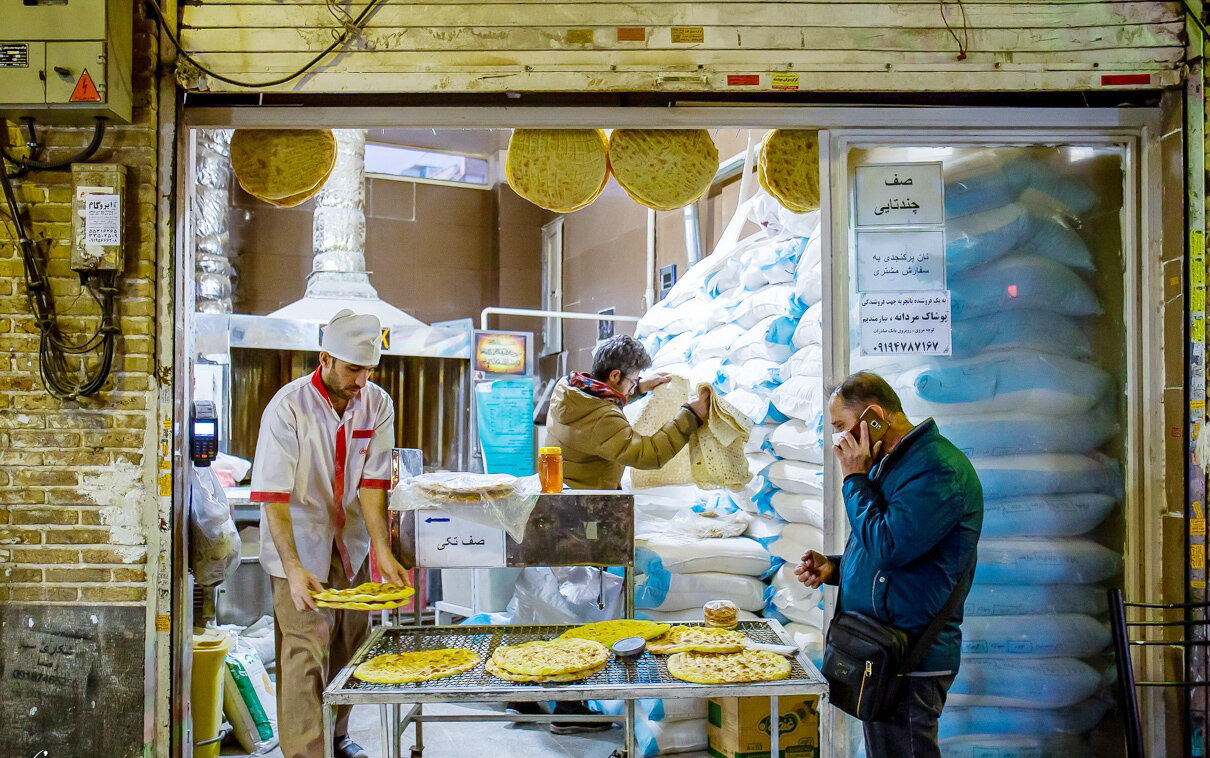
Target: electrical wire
x=31, y=163
x=356, y=25
x=1196, y=19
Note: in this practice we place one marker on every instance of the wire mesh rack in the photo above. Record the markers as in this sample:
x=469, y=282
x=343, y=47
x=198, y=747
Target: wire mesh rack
x=646, y=677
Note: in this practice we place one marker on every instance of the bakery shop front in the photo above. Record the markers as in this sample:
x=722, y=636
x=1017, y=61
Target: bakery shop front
x=738, y=246
x=999, y=230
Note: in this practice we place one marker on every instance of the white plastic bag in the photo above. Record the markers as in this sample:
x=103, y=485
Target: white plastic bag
x=565, y=595
x=214, y=547
x=498, y=501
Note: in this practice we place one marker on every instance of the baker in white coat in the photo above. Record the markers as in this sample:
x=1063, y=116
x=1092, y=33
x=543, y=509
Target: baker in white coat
x=321, y=473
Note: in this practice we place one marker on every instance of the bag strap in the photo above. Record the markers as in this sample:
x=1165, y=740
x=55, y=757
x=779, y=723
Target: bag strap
x=925, y=641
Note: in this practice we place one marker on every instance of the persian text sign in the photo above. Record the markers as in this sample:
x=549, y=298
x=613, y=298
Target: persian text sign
x=900, y=194
x=908, y=259
x=906, y=323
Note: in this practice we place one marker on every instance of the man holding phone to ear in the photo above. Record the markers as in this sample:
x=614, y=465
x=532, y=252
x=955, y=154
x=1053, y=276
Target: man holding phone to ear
x=915, y=511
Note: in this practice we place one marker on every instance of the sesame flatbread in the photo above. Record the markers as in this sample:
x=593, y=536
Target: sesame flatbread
x=789, y=168
x=729, y=668
x=283, y=166
x=419, y=666
x=697, y=639
x=467, y=488
x=664, y=169
x=571, y=676
x=550, y=657
x=561, y=170
x=385, y=606
x=609, y=632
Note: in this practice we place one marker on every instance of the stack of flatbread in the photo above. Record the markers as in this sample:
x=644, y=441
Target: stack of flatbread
x=707, y=655
x=420, y=666
x=565, y=659
x=664, y=169
x=465, y=488
x=561, y=170
x=283, y=167
x=370, y=596
x=609, y=632
x=788, y=168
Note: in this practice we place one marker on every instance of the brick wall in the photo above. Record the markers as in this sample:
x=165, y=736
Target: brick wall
x=77, y=479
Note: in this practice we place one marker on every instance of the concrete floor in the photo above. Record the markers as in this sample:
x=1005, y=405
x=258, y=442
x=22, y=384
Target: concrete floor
x=505, y=741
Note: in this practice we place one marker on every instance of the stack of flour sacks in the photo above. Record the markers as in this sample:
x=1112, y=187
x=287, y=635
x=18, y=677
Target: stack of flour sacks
x=747, y=321
x=1023, y=398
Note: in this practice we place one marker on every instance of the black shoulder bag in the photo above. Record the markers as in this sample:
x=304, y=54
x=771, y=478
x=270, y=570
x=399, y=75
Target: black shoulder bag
x=865, y=660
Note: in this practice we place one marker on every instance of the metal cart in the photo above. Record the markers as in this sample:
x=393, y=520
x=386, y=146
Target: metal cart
x=573, y=529
x=647, y=677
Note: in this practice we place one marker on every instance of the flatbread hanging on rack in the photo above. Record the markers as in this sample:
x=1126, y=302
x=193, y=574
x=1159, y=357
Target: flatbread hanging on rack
x=698, y=639
x=418, y=666
x=788, y=168
x=609, y=632
x=729, y=668
x=550, y=657
x=561, y=170
x=282, y=166
x=664, y=169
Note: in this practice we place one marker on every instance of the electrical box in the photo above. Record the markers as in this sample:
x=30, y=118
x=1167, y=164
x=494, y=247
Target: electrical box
x=66, y=61
x=97, y=222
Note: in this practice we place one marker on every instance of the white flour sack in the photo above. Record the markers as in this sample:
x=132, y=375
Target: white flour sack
x=801, y=509
x=798, y=440
x=794, y=540
x=1058, y=635
x=669, y=737
x=686, y=591
x=685, y=555
x=801, y=397
x=796, y=477
x=1021, y=681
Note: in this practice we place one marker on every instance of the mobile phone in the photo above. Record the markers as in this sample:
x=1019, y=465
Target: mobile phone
x=875, y=425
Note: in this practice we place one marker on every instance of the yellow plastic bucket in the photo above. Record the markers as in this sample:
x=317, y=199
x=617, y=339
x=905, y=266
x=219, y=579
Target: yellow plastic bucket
x=210, y=650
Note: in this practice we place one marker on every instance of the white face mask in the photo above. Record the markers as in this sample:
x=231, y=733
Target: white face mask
x=837, y=437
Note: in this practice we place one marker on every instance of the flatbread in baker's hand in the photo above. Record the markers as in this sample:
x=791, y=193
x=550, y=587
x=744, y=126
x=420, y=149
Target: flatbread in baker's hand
x=572, y=676
x=367, y=592
x=788, y=168
x=282, y=166
x=699, y=639
x=729, y=668
x=609, y=632
x=664, y=169
x=561, y=170
x=419, y=666
x=550, y=657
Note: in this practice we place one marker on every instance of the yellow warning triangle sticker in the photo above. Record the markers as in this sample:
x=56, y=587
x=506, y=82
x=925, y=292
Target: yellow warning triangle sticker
x=85, y=91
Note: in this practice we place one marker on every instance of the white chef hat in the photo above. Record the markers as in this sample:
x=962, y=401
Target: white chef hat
x=354, y=338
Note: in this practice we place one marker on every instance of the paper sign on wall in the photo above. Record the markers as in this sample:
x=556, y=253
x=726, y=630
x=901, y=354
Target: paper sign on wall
x=446, y=541
x=102, y=219
x=900, y=194
x=906, y=323
x=909, y=259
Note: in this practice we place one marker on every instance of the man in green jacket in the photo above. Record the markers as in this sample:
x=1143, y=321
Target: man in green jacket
x=586, y=421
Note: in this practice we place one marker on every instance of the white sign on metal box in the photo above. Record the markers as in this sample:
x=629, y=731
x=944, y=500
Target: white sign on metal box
x=906, y=323
x=446, y=541
x=900, y=261
x=900, y=194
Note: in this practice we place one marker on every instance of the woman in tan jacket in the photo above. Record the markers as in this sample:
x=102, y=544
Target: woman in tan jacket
x=586, y=420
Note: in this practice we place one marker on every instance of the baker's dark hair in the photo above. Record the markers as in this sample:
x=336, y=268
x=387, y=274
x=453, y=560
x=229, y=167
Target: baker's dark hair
x=623, y=353
x=867, y=388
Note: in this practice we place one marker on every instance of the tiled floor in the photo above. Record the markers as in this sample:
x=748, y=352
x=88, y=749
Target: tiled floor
x=452, y=740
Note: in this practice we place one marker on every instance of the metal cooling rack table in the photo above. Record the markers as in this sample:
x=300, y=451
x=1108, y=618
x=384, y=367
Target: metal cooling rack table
x=647, y=677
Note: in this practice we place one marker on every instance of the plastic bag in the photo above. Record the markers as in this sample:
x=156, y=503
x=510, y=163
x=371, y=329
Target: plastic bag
x=249, y=698
x=565, y=595
x=498, y=501
x=214, y=545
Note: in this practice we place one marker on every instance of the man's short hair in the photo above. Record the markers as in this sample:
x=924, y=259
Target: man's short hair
x=621, y=353
x=866, y=388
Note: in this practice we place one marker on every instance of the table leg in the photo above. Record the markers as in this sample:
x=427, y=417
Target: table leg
x=418, y=748
x=396, y=729
x=629, y=744
x=329, y=730
x=774, y=727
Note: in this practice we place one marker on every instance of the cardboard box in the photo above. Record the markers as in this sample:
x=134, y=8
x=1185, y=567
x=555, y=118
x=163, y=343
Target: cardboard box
x=738, y=727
